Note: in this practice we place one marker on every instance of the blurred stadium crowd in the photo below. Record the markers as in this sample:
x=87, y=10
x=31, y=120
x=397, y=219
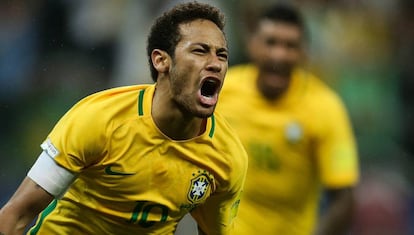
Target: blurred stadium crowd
x=52, y=53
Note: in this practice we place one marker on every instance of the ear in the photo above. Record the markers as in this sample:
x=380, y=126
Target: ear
x=161, y=60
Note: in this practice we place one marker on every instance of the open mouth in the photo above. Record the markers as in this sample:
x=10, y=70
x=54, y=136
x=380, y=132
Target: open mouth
x=208, y=93
x=282, y=69
x=209, y=87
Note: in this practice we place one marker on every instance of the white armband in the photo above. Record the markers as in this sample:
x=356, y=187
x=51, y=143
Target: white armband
x=50, y=176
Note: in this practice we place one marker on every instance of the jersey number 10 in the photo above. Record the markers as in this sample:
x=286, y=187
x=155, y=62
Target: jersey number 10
x=143, y=209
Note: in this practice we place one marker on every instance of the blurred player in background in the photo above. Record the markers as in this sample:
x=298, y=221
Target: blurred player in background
x=296, y=131
x=136, y=159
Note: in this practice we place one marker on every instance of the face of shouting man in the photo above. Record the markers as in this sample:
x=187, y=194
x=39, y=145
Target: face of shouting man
x=198, y=68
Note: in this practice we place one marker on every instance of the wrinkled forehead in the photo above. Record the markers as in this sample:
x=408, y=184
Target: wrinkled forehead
x=202, y=31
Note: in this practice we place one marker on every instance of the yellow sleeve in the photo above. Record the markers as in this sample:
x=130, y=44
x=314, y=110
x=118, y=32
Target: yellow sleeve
x=79, y=136
x=216, y=215
x=336, y=148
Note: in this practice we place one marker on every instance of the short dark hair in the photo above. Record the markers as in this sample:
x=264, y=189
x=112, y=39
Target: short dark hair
x=165, y=34
x=282, y=12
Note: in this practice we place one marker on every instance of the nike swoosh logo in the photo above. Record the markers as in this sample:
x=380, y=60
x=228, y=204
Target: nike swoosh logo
x=109, y=171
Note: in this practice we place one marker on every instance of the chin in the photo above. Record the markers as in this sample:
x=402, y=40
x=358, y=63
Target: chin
x=204, y=112
x=272, y=94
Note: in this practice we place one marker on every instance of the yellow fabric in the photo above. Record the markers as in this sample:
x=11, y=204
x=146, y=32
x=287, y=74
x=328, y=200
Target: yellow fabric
x=295, y=144
x=135, y=180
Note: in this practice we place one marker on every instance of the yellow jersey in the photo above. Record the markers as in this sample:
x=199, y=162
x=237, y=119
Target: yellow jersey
x=132, y=179
x=295, y=144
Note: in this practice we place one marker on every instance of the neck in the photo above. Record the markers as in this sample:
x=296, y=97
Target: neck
x=178, y=128
x=172, y=122
x=272, y=86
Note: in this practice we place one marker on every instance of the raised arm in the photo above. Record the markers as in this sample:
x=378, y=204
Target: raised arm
x=27, y=202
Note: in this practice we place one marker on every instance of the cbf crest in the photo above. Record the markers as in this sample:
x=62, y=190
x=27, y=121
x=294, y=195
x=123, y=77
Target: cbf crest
x=200, y=187
x=294, y=132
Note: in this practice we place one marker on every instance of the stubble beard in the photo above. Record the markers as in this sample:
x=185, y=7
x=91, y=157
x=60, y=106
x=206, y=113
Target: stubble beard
x=186, y=102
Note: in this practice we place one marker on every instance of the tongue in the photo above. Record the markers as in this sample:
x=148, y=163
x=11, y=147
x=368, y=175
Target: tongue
x=208, y=100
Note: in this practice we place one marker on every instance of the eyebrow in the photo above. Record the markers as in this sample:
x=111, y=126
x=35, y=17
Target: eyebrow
x=208, y=47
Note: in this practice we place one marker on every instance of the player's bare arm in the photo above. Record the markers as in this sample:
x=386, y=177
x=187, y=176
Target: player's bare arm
x=28, y=201
x=337, y=218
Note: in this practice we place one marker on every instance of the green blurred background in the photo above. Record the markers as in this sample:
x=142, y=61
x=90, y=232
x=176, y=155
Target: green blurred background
x=52, y=53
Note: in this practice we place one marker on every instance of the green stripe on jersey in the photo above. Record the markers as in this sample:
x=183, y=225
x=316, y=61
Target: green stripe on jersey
x=213, y=126
x=43, y=215
x=140, y=102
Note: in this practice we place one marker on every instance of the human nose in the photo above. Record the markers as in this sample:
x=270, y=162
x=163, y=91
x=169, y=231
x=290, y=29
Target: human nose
x=215, y=64
x=278, y=51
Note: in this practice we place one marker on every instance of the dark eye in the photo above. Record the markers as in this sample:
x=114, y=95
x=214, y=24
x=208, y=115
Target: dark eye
x=223, y=55
x=199, y=50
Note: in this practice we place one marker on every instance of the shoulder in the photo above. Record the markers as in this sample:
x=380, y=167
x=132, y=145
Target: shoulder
x=317, y=91
x=321, y=103
x=240, y=73
x=101, y=109
x=88, y=125
x=233, y=157
x=239, y=79
x=228, y=142
x=112, y=95
x=110, y=101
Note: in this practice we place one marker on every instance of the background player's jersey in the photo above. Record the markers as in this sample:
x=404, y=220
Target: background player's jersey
x=132, y=179
x=295, y=144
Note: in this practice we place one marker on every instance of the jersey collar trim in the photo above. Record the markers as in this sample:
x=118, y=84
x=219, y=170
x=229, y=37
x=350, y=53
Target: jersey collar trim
x=141, y=102
x=141, y=112
x=213, y=126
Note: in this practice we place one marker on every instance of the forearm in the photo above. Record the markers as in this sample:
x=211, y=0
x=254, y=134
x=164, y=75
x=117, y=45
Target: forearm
x=334, y=223
x=12, y=223
x=26, y=203
x=337, y=218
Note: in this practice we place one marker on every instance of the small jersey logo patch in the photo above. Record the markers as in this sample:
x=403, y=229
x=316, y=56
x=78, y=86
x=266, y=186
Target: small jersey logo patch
x=294, y=132
x=49, y=148
x=199, y=189
x=110, y=171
